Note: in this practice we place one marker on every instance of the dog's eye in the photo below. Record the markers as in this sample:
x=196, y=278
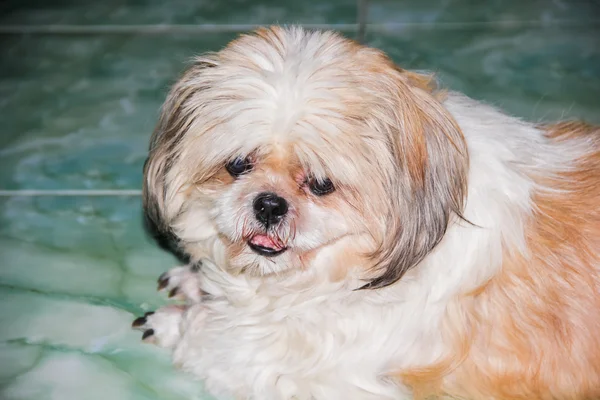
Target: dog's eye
x=321, y=187
x=238, y=166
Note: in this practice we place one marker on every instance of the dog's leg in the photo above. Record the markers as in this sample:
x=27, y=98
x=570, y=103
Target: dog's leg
x=182, y=283
x=163, y=326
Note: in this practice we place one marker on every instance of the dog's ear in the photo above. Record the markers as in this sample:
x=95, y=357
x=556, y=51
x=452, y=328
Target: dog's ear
x=166, y=240
x=175, y=118
x=430, y=180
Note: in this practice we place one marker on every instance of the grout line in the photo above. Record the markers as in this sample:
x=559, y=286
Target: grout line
x=150, y=29
x=214, y=28
x=70, y=192
x=508, y=24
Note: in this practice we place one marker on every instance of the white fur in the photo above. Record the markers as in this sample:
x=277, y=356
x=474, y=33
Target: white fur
x=278, y=337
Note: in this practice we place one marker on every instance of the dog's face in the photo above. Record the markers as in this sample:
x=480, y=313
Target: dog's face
x=274, y=211
x=288, y=143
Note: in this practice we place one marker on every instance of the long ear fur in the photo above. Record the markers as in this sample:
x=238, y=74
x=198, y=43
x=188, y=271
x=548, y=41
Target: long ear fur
x=431, y=174
x=171, y=128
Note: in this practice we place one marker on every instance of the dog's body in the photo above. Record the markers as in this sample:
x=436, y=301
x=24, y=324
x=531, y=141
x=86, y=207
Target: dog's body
x=481, y=262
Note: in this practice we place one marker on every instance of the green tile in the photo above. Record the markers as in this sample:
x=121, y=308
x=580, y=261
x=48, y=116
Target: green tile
x=17, y=358
x=81, y=247
x=78, y=111
x=177, y=12
x=75, y=272
x=536, y=74
x=546, y=12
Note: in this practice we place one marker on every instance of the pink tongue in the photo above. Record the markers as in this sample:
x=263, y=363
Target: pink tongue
x=264, y=241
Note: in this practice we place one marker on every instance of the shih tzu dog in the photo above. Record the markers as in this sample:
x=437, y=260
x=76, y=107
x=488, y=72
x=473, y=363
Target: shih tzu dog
x=355, y=233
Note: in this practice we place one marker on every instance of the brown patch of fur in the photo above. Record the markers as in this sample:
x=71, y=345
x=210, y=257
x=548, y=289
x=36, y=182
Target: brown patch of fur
x=430, y=171
x=282, y=162
x=533, y=331
x=217, y=179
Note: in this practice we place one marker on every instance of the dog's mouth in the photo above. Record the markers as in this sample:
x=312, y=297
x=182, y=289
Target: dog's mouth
x=265, y=246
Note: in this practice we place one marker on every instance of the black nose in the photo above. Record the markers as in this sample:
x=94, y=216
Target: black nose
x=269, y=208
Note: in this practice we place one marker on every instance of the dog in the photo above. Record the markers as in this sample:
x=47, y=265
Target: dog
x=355, y=232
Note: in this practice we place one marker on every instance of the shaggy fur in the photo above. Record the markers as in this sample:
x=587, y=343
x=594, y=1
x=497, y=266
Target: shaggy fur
x=458, y=255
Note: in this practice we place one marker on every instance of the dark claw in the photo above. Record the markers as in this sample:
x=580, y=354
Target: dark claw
x=173, y=292
x=149, y=313
x=196, y=266
x=163, y=281
x=147, y=334
x=141, y=321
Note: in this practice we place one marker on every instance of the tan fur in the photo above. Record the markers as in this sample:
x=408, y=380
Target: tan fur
x=394, y=127
x=431, y=157
x=533, y=331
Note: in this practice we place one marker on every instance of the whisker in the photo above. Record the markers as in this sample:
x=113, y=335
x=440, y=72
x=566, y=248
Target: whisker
x=277, y=238
x=287, y=237
x=237, y=224
x=245, y=233
x=290, y=232
x=293, y=229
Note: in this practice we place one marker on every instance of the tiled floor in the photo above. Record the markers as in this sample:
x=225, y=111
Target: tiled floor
x=77, y=111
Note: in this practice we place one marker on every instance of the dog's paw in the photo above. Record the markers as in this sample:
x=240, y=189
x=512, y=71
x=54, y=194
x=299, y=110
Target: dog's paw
x=162, y=327
x=182, y=283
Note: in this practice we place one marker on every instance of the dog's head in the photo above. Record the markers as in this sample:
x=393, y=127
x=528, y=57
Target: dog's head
x=287, y=142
